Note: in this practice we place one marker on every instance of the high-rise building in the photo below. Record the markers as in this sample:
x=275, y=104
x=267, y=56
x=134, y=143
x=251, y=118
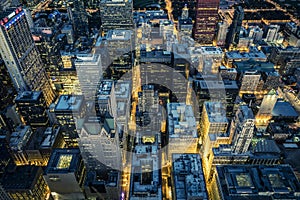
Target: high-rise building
x=32, y=108
x=233, y=35
x=116, y=14
x=25, y=182
x=242, y=128
x=79, y=19
x=185, y=23
x=21, y=56
x=106, y=98
x=19, y=141
x=265, y=111
x=145, y=179
x=89, y=72
x=249, y=81
x=99, y=144
x=213, y=131
x=182, y=129
x=67, y=110
x=188, y=178
x=65, y=174
x=256, y=33
x=206, y=21
x=222, y=28
x=272, y=34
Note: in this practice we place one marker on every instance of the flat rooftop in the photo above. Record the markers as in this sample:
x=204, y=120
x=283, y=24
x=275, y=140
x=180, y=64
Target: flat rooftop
x=63, y=161
x=216, y=112
x=188, y=177
x=284, y=109
x=118, y=35
x=145, y=177
x=105, y=87
x=69, y=103
x=28, y=96
x=181, y=120
x=123, y=89
x=214, y=85
x=258, y=182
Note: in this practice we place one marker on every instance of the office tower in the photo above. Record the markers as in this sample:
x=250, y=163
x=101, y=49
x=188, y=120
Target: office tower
x=224, y=91
x=256, y=182
x=65, y=174
x=187, y=177
x=21, y=56
x=286, y=58
x=68, y=109
x=249, y=81
x=32, y=108
x=222, y=29
x=272, y=33
x=210, y=59
x=99, y=144
x=185, y=23
x=98, y=186
x=120, y=44
x=79, y=19
x=256, y=34
x=233, y=35
x=116, y=14
x=106, y=99
x=265, y=111
x=145, y=179
x=182, y=129
x=18, y=142
x=213, y=133
x=206, y=21
x=89, y=72
x=242, y=128
x=25, y=182
x=227, y=73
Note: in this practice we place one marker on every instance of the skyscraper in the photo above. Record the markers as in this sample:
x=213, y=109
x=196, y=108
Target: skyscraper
x=116, y=14
x=21, y=56
x=242, y=127
x=233, y=35
x=206, y=20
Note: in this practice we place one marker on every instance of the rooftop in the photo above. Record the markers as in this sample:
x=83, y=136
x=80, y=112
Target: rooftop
x=188, y=177
x=253, y=54
x=284, y=109
x=50, y=135
x=256, y=182
x=123, y=89
x=145, y=170
x=63, y=161
x=266, y=146
x=105, y=87
x=211, y=85
x=28, y=96
x=20, y=138
x=216, y=112
x=69, y=103
x=181, y=120
x=118, y=35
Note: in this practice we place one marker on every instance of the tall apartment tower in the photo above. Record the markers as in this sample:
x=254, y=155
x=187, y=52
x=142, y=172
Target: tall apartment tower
x=116, y=14
x=206, y=21
x=242, y=127
x=21, y=56
x=233, y=35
